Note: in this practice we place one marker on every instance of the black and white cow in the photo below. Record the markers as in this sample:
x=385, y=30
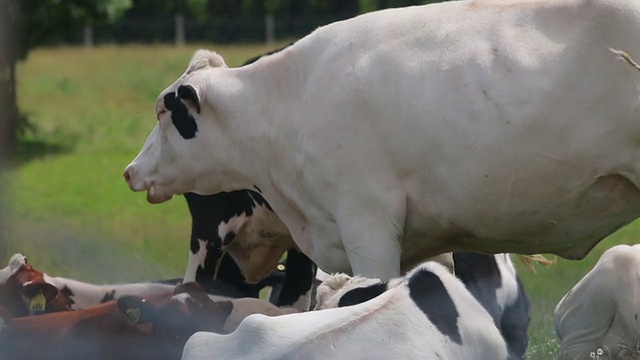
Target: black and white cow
x=237, y=242
x=491, y=279
x=428, y=315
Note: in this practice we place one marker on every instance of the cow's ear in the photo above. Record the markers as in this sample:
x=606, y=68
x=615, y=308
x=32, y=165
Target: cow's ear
x=190, y=97
x=38, y=296
x=135, y=308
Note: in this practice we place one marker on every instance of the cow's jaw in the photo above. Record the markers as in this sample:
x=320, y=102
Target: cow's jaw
x=156, y=197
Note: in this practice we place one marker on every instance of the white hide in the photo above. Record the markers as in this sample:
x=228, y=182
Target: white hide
x=86, y=294
x=244, y=307
x=602, y=309
x=195, y=261
x=507, y=294
x=389, y=326
x=488, y=126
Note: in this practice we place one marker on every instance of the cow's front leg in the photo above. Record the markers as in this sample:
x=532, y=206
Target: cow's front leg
x=197, y=255
x=372, y=236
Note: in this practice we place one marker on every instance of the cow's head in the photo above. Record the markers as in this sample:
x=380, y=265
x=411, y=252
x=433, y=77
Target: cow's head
x=257, y=243
x=24, y=291
x=188, y=149
x=188, y=311
x=341, y=290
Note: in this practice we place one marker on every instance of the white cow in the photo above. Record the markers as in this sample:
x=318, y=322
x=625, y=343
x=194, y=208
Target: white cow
x=491, y=279
x=602, y=311
x=428, y=316
x=487, y=126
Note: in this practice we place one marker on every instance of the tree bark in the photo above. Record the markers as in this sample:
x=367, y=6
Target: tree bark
x=10, y=50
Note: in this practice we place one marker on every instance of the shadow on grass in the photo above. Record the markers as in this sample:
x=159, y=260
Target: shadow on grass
x=30, y=147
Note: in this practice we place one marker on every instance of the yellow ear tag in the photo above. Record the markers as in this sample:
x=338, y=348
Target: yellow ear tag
x=280, y=267
x=38, y=303
x=133, y=314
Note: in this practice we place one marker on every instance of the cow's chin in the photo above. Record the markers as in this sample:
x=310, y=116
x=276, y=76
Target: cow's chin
x=155, y=197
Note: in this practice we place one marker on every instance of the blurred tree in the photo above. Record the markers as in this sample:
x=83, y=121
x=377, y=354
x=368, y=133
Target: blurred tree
x=156, y=8
x=45, y=19
x=30, y=23
x=10, y=49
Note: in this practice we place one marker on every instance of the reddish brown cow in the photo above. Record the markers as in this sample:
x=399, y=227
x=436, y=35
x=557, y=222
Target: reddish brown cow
x=129, y=328
x=24, y=291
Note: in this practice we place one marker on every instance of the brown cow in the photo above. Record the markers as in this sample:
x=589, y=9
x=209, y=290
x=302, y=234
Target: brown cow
x=127, y=328
x=24, y=291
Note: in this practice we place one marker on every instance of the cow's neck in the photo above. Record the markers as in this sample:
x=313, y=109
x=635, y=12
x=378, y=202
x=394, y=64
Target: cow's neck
x=269, y=91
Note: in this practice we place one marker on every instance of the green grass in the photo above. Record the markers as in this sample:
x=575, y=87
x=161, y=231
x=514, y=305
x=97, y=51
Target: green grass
x=72, y=214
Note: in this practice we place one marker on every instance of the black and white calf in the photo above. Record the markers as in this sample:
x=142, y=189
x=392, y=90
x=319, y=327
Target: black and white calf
x=237, y=242
x=491, y=279
x=428, y=315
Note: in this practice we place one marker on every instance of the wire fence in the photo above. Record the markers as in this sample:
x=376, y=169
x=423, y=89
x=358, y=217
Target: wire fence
x=179, y=29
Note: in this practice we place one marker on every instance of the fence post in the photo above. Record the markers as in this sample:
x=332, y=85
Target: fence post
x=180, y=34
x=87, y=36
x=269, y=28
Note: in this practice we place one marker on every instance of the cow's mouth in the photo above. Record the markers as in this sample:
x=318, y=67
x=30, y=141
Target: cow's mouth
x=156, y=197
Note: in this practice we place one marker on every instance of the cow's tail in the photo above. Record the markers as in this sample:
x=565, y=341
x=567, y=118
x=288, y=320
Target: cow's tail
x=530, y=260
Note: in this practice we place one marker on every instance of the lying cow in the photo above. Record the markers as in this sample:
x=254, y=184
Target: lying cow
x=25, y=290
x=600, y=313
x=429, y=315
x=124, y=329
x=237, y=241
x=128, y=328
x=491, y=279
x=376, y=143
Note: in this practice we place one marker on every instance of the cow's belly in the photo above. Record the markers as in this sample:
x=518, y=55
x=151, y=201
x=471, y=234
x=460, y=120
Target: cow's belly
x=568, y=223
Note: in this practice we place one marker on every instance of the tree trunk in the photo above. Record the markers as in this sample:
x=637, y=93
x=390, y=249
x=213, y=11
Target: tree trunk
x=10, y=49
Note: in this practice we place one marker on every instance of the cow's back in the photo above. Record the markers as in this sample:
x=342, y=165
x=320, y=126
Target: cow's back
x=468, y=75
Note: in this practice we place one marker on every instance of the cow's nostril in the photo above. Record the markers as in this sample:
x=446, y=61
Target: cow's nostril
x=126, y=175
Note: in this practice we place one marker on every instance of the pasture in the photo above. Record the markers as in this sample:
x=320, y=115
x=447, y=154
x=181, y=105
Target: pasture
x=71, y=212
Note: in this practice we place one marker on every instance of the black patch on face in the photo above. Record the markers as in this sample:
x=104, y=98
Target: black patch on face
x=108, y=296
x=360, y=295
x=430, y=295
x=182, y=120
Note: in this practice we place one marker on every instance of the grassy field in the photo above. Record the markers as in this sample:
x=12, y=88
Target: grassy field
x=72, y=214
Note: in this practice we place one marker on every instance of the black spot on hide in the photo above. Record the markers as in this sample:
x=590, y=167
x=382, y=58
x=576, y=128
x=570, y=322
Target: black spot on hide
x=481, y=276
x=431, y=296
x=108, y=296
x=360, y=295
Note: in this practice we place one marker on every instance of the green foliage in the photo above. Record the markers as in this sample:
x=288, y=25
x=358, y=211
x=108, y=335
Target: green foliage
x=46, y=18
x=71, y=208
